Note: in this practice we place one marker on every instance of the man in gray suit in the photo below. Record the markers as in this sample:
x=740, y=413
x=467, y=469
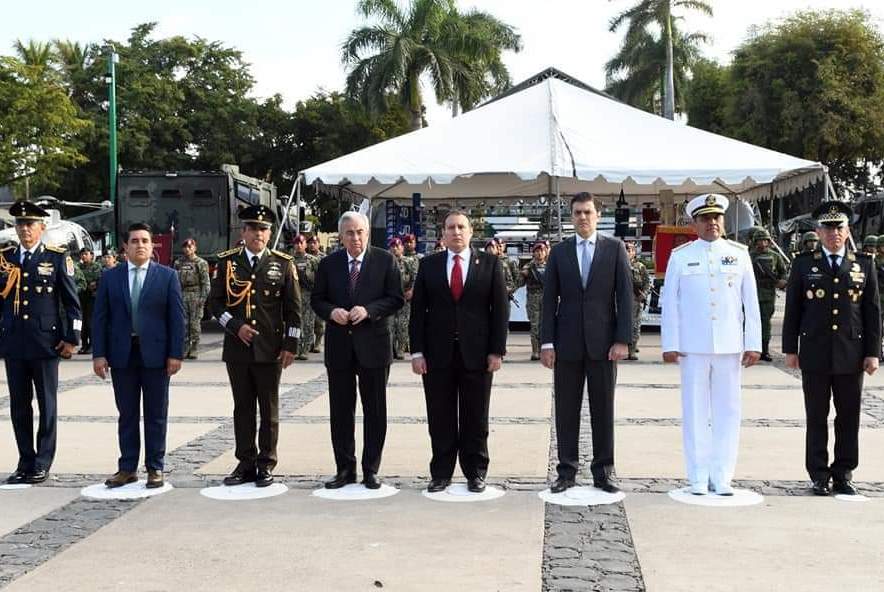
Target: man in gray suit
x=586, y=325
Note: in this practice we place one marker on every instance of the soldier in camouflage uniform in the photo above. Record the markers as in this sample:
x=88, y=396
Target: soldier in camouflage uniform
x=809, y=242
x=318, y=323
x=511, y=274
x=409, y=246
x=86, y=277
x=407, y=273
x=879, y=268
x=532, y=275
x=870, y=245
x=193, y=273
x=306, y=264
x=771, y=272
x=641, y=287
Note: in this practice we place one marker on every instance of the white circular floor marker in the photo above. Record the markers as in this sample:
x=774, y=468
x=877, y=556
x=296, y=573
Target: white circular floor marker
x=135, y=490
x=851, y=498
x=246, y=491
x=458, y=492
x=741, y=497
x=15, y=486
x=581, y=496
x=355, y=492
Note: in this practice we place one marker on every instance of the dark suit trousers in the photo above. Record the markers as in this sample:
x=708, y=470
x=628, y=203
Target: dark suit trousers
x=87, y=303
x=846, y=391
x=255, y=388
x=24, y=377
x=131, y=384
x=600, y=377
x=457, y=416
x=342, y=414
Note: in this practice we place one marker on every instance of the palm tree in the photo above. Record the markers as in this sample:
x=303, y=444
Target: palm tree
x=460, y=54
x=646, y=14
x=34, y=53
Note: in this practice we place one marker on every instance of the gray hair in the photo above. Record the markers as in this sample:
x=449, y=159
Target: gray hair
x=352, y=215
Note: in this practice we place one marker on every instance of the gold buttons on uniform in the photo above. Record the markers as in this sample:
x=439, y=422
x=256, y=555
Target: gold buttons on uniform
x=254, y=322
x=25, y=317
x=25, y=274
x=712, y=304
x=835, y=311
x=711, y=289
x=253, y=291
x=714, y=318
x=834, y=327
x=836, y=280
x=25, y=288
x=253, y=276
x=25, y=302
x=835, y=295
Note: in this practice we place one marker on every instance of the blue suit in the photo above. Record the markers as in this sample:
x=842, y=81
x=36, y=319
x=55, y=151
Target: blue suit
x=137, y=355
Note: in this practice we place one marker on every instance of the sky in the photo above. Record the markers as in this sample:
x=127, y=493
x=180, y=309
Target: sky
x=294, y=46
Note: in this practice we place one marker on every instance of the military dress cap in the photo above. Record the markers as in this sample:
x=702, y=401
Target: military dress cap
x=810, y=236
x=189, y=241
x=870, y=241
x=26, y=211
x=394, y=242
x=708, y=203
x=833, y=213
x=761, y=234
x=259, y=214
x=538, y=245
x=408, y=238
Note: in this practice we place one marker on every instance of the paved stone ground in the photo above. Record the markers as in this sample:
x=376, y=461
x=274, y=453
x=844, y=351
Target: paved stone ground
x=583, y=548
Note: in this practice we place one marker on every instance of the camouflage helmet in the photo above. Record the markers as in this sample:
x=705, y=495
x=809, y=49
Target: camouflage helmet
x=881, y=241
x=870, y=241
x=810, y=236
x=760, y=234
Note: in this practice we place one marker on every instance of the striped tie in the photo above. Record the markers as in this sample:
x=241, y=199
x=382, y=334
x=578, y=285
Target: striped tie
x=354, y=274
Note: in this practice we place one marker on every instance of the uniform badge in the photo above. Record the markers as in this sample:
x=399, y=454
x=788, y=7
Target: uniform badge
x=266, y=292
x=729, y=260
x=49, y=289
x=810, y=294
x=69, y=266
x=820, y=293
x=39, y=289
x=815, y=269
x=855, y=267
x=274, y=271
x=48, y=269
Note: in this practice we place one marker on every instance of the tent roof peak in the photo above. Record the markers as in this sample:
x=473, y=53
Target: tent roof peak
x=546, y=75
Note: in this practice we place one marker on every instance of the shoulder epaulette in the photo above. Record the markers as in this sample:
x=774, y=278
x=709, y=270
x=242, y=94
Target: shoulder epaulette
x=8, y=248
x=734, y=243
x=56, y=249
x=285, y=256
x=680, y=247
x=233, y=251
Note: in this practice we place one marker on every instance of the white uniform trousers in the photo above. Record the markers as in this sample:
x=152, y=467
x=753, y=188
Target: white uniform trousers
x=711, y=412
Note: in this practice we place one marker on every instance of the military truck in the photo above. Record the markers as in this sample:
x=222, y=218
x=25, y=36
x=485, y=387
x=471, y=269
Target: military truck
x=202, y=205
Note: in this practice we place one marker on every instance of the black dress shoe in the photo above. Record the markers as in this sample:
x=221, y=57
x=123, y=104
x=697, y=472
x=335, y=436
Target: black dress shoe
x=843, y=487
x=561, y=484
x=17, y=478
x=606, y=485
x=341, y=479
x=437, y=485
x=766, y=358
x=821, y=487
x=264, y=478
x=476, y=485
x=239, y=476
x=371, y=481
x=38, y=476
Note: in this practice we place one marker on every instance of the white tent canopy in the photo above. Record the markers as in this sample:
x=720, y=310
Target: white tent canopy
x=555, y=136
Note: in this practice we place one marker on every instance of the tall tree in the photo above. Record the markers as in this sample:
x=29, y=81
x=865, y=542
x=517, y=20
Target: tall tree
x=459, y=54
x=34, y=53
x=650, y=32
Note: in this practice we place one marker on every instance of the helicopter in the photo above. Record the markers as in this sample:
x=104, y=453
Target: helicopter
x=59, y=232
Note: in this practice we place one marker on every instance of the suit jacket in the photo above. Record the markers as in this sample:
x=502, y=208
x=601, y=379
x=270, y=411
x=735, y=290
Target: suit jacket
x=478, y=321
x=160, y=317
x=582, y=321
x=833, y=318
x=378, y=290
x=268, y=298
x=48, y=309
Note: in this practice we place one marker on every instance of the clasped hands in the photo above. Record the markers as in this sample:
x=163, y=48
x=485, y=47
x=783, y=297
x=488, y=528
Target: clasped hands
x=355, y=315
x=750, y=358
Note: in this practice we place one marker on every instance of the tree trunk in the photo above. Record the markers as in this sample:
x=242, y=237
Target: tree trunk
x=415, y=104
x=669, y=88
x=455, y=108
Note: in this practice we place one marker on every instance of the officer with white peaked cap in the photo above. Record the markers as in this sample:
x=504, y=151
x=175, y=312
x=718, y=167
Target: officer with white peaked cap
x=712, y=328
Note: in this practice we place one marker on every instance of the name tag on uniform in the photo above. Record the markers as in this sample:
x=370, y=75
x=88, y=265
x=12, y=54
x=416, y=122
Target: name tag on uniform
x=694, y=264
x=729, y=260
x=45, y=269
x=814, y=276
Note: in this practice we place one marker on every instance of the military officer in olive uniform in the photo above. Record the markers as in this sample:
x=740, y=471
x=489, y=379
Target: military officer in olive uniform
x=771, y=272
x=641, y=286
x=86, y=276
x=306, y=265
x=318, y=323
x=40, y=321
x=256, y=298
x=870, y=245
x=407, y=273
x=832, y=333
x=532, y=276
x=193, y=273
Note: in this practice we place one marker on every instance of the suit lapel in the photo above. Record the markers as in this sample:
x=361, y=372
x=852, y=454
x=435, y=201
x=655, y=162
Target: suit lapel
x=599, y=246
x=571, y=254
x=148, y=278
x=473, y=272
x=363, y=268
x=124, y=287
x=442, y=274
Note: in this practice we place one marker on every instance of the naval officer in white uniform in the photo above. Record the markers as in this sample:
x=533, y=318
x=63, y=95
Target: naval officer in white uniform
x=711, y=327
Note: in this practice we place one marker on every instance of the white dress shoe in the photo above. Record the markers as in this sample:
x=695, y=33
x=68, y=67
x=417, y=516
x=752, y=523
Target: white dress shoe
x=699, y=489
x=724, y=489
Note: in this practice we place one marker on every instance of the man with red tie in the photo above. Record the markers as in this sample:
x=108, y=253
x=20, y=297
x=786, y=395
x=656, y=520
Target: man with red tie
x=458, y=334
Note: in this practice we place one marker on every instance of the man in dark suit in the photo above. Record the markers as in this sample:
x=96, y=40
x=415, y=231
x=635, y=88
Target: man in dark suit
x=832, y=332
x=586, y=325
x=138, y=332
x=357, y=290
x=458, y=329
x=255, y=297
x=40, y=321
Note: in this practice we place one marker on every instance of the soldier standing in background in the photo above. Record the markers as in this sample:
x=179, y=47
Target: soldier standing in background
x=809, y=242
x=879, y=268
x=641, y=286
x=109, y=260
x=318, y=323
x=409, y=246
x=870, y=245
x=770, y=275
x=193, y=273
x=407, y=273
x=511, y=275
x=86, y=278
x=306, y=264
x=532, y=275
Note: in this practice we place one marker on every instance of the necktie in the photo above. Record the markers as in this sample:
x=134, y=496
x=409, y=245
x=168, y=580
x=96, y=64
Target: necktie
x=255, y=260
x=26, y=259
x=354, y=274
x=136, y=298
x=456, y=279
x=834, y=259
x=585, y=262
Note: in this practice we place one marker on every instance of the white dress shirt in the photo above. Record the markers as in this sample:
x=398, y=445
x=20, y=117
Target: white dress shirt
x=32, y=251
x=250, y=257
x=464, y=264
x=132, y=266
x=350, y=259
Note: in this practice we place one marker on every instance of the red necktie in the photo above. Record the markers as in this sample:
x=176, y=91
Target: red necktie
x=456, y=279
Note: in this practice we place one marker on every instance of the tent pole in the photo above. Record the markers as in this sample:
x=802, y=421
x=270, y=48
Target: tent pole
x=559, y=208
x=296, y=188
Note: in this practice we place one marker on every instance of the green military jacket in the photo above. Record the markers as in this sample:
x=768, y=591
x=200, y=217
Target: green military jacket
x=534, y=278
x=193, y=275
x=306, y=264
x=86, y=277
x=641, y=281
x=407, y=270
x=770, y=268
